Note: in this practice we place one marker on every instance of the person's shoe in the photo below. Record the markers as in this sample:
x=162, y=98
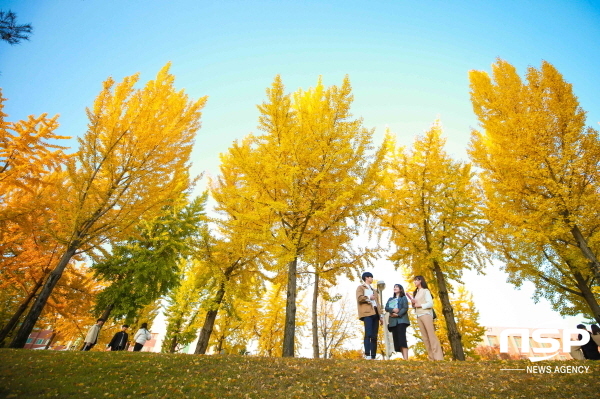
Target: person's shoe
x=368, y=358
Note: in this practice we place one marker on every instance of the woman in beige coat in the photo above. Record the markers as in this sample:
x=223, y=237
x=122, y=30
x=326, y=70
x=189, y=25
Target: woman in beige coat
x=422, y=301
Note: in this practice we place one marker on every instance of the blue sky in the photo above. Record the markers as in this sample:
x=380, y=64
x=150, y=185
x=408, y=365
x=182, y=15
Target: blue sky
x=408, y=61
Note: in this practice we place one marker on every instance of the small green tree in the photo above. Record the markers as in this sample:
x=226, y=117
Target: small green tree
x=146, y=266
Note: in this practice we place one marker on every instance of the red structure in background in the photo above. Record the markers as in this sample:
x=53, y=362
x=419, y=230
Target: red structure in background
x=42, y=339
x=39, y=339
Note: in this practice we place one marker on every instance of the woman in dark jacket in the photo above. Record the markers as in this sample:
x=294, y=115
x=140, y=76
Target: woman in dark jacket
x=397, y=307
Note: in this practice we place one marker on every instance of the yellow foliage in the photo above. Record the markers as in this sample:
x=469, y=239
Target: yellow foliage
x=310, y=173
x=539, y=169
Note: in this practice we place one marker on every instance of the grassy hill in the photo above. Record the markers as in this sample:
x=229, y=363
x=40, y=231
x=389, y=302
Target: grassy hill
x=28, y=374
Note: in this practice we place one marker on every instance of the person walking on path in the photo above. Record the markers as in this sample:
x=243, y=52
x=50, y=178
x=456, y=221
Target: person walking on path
x=92, y=335
x=397, y=307
x=141, y=337
x=119, y=341
x=422, y=301
x=367, y=299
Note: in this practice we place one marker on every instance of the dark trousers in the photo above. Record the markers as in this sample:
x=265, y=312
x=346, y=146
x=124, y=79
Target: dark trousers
x=371, y=330
x=399, y=336
x=87, y=346
x=137, y=347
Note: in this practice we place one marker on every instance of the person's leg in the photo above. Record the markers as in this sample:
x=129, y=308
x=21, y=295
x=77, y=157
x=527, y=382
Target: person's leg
x=402, y=340
x=424, y=336
x=367, y=340
x=405, y=353
x=138, y=347
x=369, y=333
x=88, y=346
x=434, y=342
x=375, y=321
x=576, y=353
x=395, y=337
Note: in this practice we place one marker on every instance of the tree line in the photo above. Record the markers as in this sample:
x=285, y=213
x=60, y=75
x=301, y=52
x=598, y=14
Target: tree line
x=114, y=229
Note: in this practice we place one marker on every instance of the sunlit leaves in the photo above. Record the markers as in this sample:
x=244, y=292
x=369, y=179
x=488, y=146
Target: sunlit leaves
x=540, y=173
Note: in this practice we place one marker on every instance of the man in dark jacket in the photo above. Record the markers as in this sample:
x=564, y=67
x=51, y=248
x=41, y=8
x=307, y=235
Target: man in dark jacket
x=119, y=341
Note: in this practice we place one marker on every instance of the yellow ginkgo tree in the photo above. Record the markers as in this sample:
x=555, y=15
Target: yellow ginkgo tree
x=432, y=210
x=539, y=168
x=132, y=161
x=312, y=170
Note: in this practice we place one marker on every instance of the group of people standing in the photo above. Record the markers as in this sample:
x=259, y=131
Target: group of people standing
x=369, y=311
x=589, y=350
x=421, y=301
x=120, y=340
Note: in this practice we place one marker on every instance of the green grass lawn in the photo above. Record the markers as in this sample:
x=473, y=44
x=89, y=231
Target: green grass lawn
x=28, y=374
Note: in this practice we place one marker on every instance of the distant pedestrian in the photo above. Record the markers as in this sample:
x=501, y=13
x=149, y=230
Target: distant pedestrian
x=397, y=307
x=141, y=337
x=92, y=335
x=367, y=299
x=422, y=301
x=590, y=350
x=119, y=341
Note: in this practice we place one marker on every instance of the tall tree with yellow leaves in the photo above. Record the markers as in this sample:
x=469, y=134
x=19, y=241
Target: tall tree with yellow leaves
x=235, y=268
x=234, y=329
x=331, y=256
x=432, y=211
x=183, y=313
x=28, y=166
x=540, y=174
x=269, y=328
x=26, y=153
x=133, y=160
x=311, y=171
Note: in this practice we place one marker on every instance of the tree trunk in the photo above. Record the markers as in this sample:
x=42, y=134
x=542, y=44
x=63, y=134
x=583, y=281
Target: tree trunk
x=12, y=323
x=51, y=339
x=107, y=311
x=176, y=332
x=173, y=344
x=588, y=295
x=290, y=311
x=20, y=338
x=220, y=345
x=453, y=333
x=587, y=252
x=315, y=329
x=209, y=322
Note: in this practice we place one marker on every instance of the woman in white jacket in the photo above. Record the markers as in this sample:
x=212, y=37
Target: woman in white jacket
x=422, y=301
x=141, y=337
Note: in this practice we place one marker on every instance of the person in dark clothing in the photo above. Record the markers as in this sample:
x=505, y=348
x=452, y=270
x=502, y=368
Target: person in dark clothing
x=590, y=350
x=119, y=341
x=397, y=307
